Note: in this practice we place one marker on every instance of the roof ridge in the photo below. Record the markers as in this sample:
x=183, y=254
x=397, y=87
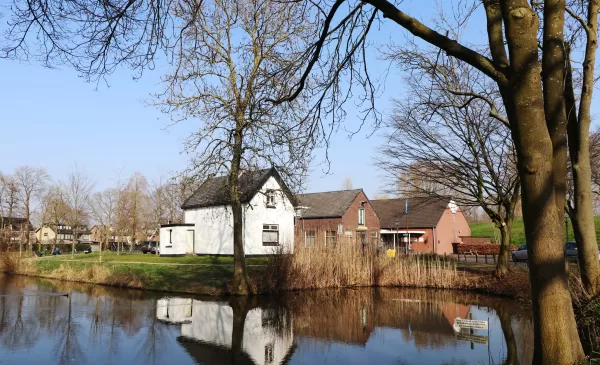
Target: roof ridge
x=332, y=191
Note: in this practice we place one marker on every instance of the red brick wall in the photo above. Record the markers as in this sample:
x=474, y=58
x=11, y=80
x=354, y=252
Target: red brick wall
x=349, y=222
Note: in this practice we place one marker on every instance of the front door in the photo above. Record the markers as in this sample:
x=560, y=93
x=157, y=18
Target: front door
x=190, y=241
x=361, y=237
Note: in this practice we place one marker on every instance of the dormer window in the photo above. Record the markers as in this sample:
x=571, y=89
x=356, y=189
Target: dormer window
x=270, y=199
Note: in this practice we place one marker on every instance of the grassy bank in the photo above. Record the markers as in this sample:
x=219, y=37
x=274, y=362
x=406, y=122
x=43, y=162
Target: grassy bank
x=306, y=269
x=486, y=229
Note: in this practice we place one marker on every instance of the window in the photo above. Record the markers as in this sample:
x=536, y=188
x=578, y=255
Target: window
x=340, y=228
x=270, y=235
x=270, y=199
x=330, y=239
x=170, y=236
x=309, y=239
x=45, y=234
x=361, y=216
x=269, y=353
x=373, y=234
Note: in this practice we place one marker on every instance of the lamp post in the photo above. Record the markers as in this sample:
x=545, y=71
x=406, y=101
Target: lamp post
x=396, y=223
x=566, y=228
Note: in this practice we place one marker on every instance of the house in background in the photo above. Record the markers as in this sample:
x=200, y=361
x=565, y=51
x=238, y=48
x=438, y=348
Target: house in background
x=431, y=225
x=63, y=234
x=268, y=218
x=335, y=216
x=13, y=228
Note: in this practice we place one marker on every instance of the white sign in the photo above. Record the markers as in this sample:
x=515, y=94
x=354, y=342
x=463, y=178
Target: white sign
x=472, y=338
x=469, y=323
x=348, y=233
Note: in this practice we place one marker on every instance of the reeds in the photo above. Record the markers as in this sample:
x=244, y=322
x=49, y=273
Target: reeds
x=348, y=266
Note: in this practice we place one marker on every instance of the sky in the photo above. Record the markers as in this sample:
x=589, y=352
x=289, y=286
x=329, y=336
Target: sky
x=52, y=118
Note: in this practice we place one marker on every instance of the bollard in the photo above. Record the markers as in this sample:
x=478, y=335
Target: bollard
x=476, y=257
x=486, y=258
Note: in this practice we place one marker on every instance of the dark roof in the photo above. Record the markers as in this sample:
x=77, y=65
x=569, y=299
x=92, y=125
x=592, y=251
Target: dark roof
x=422, y=212
x=215, y=191
x=331, y=204
x=16, y=222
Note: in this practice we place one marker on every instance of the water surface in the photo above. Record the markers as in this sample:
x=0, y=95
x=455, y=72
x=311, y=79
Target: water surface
x=101, y=325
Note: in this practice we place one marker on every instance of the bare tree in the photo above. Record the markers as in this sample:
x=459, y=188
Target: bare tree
x=443, y=143
x=134, y=201
x=77, y=190
x=32, y=182
x=55, y=211
x=537, y=109
x=347, y=184
x=225, y=84
x=103, y=207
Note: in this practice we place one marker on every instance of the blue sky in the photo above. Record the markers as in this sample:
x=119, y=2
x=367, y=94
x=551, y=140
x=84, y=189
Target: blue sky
x=54, y=119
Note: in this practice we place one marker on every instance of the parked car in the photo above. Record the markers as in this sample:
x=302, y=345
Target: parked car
x=520, y=254
x=570, y=252
x=149, y=248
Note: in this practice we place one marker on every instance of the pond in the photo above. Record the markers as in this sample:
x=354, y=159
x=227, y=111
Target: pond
x=102, y=325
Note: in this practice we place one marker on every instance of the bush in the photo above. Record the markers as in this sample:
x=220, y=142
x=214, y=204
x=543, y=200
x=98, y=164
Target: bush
x=481, y=248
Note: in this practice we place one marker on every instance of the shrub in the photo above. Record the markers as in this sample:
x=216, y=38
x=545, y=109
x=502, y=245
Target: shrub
x=482, y=248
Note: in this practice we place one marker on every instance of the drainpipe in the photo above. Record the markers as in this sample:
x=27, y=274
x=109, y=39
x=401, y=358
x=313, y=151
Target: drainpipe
x=434, y=242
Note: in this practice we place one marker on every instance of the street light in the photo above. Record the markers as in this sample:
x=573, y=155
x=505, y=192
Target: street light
x=566, y=228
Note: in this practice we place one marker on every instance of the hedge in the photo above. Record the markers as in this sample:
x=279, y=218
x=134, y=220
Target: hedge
x=480, y=248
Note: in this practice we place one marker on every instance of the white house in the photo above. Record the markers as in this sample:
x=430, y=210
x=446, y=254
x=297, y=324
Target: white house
x=268, y=218
x=207, y=331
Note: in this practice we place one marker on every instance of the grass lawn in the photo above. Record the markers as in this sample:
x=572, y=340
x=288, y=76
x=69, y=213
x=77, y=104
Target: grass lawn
x=148, y=258
x=486, y=229
x=209, y=278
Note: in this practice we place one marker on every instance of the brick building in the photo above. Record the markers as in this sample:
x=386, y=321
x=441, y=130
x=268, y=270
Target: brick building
x=431, y=225
x=335, y=217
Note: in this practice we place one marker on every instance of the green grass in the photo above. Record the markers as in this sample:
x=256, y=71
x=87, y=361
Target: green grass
x=486, y=229
x=148, y=258
x=209, y=278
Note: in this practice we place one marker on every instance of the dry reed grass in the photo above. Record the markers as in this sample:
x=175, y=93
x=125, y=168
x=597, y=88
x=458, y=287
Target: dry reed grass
x=347, y=266
x=10, y=263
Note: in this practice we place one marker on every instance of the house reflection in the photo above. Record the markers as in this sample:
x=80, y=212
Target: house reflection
x=209, y=330
x=238, y=332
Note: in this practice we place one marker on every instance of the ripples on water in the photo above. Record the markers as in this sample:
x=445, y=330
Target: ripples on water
x=101, y=325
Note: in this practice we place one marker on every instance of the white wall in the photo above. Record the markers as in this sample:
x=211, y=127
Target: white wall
x=214, y=225
x=176, y=244
x=212, y=322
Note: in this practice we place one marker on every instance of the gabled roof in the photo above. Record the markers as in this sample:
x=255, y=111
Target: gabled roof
x=330, y=204
x=422, y=212
x=215, y=191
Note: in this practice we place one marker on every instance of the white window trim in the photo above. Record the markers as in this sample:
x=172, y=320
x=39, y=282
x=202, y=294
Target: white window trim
x=364, y=217
x=334, y=237
x=314, y=238
x=270, y=228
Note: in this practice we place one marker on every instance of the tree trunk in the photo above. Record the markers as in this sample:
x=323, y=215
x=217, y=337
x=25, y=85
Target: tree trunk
x=512, y=356
x=27, y=217
x=502, y=264
x=239, y=284
x=240, y=309
x=555, y=332
x=582, y=214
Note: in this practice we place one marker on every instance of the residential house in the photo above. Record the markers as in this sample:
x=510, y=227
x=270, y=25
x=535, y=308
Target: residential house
x=431, y=225
x=13, y=228
x=335, y=216
x=208, y=330
x=63, y=234
x=268, y=218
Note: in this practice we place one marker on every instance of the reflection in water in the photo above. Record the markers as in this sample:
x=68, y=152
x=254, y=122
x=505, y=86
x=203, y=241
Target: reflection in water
x=100, y=325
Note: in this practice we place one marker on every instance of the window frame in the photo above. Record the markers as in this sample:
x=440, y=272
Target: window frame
x=270, y=199
x=270, y=227
x=361, y=214
x=314, y=238
x=333, y=237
